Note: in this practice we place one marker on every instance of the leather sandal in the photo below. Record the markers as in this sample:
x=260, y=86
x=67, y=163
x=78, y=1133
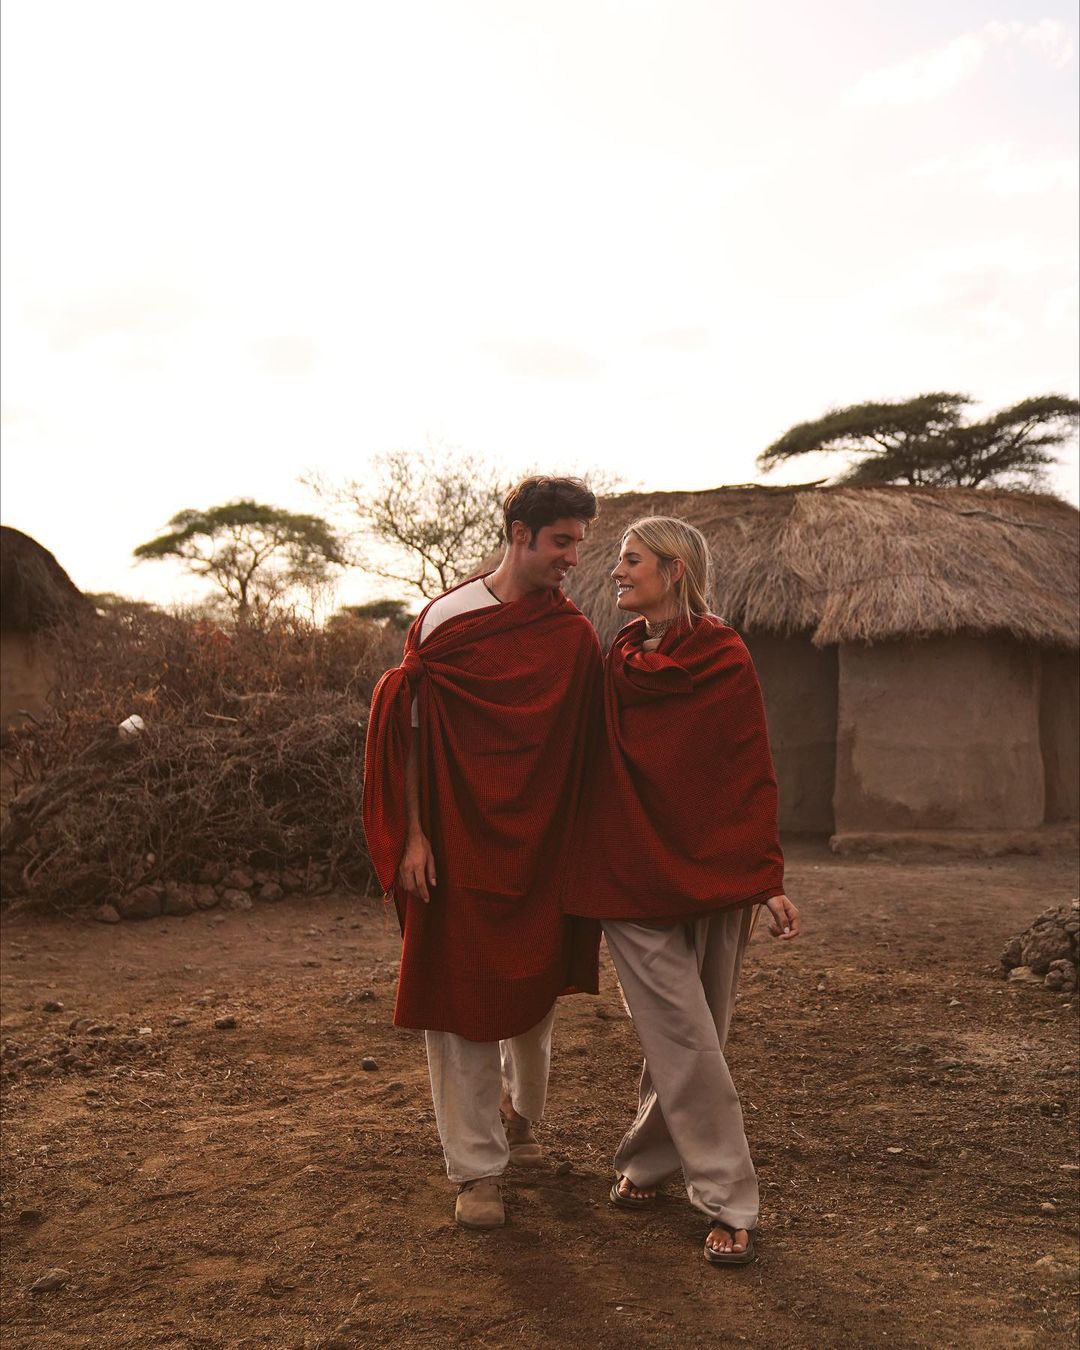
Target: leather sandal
x=629, y=1201
x=479, y=1204
x=729, y=1258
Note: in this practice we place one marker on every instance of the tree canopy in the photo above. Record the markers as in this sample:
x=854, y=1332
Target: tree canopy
x=394, y=613
x=428, y=516
x=255, y=554
x=927, y=442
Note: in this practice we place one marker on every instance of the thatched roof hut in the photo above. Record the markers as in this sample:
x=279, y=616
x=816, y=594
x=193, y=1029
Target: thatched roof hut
x=849, y=564
x=916, y=645
x=36, y=594
x=35, y=591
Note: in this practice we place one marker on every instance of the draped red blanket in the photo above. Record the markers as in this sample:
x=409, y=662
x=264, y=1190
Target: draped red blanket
x=507, y=699
x=680, y=812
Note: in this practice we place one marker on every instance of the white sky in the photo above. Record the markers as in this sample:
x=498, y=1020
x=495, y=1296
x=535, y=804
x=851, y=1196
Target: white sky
x=246, y=239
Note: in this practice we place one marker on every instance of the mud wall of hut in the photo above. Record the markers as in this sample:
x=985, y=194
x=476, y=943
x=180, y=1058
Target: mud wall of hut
x=26, y=676
x=1059, y=728
x=940, y=734
x=798, y=681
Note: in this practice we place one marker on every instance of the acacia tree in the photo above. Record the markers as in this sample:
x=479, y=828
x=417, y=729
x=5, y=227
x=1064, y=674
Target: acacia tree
x=926, y=442
x=252, y=552
x=426, y=518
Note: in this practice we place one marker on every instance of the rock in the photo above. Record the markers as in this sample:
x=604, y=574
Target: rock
x=1046, y=943
x=1061, y=975
x=1023, y=975
x=1052, y=1268
x=238, y=880
x=107, y=914
x=30, y=1216
x=178, y=899
x=52, y=1005
x=210, y=874
x=144, y=902
x=562, y=1169
x=369, y=1064
x=271, y=891
x=235, y=899
x=179, y=1021
x=1011, y=955
x=1047, y=1207
x=205, y=896
x=292, y=881
x=49, y=1282
x=226, y=1023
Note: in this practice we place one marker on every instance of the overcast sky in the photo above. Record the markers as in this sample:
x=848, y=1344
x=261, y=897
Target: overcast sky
x=241, y=239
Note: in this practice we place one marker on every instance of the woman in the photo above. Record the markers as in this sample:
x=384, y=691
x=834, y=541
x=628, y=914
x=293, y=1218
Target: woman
x=680, y=845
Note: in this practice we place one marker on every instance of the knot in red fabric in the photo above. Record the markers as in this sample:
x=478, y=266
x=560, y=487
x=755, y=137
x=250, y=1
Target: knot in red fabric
x=412, y=666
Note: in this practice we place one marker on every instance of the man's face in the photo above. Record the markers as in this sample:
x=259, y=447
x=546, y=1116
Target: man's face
x=547, y=559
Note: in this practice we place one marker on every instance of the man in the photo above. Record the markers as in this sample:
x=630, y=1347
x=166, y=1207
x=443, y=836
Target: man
x=472, y=771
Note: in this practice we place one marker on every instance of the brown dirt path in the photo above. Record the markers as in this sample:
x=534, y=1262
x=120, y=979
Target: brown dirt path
x=909, y=1113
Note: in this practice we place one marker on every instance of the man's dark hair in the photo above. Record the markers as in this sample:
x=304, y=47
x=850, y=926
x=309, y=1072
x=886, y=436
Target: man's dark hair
x=539, y=501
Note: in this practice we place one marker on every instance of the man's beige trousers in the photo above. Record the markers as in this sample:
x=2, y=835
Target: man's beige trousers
x=679, y=982
x=467, y=1079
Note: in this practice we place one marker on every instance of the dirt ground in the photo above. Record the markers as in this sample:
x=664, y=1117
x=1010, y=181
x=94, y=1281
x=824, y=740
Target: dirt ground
x=913, y=1119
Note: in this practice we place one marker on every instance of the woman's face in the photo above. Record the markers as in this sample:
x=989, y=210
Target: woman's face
x=639, y=584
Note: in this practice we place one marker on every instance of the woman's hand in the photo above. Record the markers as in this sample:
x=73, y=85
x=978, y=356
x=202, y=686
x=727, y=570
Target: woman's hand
x=783, y=918
x=417, y=870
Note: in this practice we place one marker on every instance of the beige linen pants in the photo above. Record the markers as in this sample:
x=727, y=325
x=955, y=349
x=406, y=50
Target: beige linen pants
x=467, y=1080
x=679, y=983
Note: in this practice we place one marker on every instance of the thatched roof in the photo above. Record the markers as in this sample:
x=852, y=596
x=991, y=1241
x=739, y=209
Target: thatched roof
x=855, y=564
x=35, y=591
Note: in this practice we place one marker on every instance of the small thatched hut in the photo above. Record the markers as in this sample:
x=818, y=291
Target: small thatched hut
x=917, y=646
x=35, y=595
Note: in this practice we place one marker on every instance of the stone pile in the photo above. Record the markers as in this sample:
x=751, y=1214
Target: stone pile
x=231, y=888
x=1046, y=953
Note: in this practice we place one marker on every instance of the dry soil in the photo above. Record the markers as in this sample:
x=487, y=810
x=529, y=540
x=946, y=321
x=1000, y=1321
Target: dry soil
x=913, y=1119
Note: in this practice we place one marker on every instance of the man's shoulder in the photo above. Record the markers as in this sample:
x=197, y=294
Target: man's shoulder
x=458, y=600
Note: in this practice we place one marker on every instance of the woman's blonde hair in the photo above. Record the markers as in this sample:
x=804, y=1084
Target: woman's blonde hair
x=671, y=538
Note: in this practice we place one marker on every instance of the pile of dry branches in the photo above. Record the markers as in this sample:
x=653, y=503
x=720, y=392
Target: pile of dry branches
x=250, y=751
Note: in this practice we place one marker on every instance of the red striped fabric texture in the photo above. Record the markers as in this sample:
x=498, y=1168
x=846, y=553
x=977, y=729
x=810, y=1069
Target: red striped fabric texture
x=508, y=701
x=680, y=814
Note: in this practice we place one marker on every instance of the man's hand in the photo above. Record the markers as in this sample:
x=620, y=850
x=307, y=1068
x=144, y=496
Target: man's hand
x=783, y=918
x=417, y=870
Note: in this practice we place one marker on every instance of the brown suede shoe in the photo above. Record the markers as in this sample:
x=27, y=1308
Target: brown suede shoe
x=525, y=1151
x=479, y=1204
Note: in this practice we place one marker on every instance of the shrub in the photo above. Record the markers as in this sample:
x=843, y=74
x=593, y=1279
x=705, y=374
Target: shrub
x=251, y=751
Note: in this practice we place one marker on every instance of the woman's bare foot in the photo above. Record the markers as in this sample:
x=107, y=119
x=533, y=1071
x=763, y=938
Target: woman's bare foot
x=629, y=1191
x=724, y=1240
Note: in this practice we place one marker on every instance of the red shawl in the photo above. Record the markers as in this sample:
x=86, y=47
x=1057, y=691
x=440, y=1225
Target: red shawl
x=680, y=817
x=507, y=697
